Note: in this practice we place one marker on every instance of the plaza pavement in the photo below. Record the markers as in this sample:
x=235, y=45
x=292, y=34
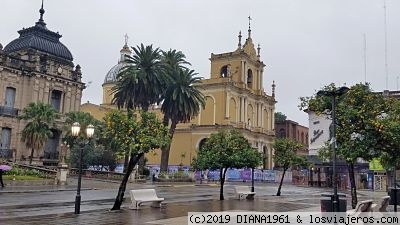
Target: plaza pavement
x=50, y=204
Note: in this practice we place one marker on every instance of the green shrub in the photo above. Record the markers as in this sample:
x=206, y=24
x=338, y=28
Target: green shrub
x=18, y=171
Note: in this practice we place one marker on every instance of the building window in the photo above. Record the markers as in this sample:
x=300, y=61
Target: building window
x=5, y=138
x=282, y=133
x=249, y=78
x=224, y=71
x=56, y=99
x=10, y=97
x=202, y=142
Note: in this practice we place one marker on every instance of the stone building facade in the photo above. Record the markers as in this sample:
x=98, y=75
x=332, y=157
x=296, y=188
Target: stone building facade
x=235, y=99
x=293, y=130
x=36, y=67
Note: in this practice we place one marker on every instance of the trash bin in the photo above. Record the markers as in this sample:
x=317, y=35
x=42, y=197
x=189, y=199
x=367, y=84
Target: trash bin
x=394, y=196
x=327, y=202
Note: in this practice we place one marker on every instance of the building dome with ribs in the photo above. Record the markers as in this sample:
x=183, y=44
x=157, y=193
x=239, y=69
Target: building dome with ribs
x=111, y=76
x=40, y=38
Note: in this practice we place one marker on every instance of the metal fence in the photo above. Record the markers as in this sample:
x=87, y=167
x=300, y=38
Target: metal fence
x=8, y=111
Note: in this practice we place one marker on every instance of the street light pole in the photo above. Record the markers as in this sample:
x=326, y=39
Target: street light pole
x=252, y=179
x=78, y=191
x=334, y=93
x=335, y=201
x=75, y=133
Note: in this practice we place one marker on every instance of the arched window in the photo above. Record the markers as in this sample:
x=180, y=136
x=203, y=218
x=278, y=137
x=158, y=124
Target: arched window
x=265, y=157
x=224, y=71
x=249, y=78
x=202, y=142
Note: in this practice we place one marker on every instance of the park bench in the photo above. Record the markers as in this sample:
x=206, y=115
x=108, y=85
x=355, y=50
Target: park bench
x=144, y=195
x=244, y=192
x=361, y=207
x=382, y=205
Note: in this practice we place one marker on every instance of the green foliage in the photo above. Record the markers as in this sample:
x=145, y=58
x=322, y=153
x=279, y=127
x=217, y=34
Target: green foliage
x=84, y=119
x=93, y=156
x=280, y=117
x=286, y=153
x=134, y=135
x=40, y=119
x=227, y=149
x=358, y=123
x=22, y=172
x=141, y=83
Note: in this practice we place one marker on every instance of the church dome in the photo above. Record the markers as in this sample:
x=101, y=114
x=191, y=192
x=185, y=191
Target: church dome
x=40, y=38
x=112, y=74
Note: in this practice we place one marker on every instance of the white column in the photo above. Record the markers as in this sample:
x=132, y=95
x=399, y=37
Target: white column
x=261, y=80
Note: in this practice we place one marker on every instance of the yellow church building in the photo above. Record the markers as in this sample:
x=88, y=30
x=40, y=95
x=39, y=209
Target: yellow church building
x=235, y=99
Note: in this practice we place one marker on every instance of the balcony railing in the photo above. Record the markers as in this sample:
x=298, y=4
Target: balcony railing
x=6, y=153
x=8, y=111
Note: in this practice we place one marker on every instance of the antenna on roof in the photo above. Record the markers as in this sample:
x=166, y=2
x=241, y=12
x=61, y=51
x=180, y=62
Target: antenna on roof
x=386, y=58
x=365, y=58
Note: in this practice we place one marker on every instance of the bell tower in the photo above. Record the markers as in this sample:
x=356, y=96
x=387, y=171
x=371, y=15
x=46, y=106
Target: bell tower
x=242, y=66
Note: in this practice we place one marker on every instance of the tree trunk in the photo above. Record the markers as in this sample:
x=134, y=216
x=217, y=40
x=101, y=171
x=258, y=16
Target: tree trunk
x=126, y=161
x=165, y=150
x=352, y=185
x=222, y=173
x=120, y=197
x=280, y=184
x=30, y=160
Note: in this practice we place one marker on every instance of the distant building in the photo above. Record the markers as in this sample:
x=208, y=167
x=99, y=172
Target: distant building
x=293, y=130
x=35, y=67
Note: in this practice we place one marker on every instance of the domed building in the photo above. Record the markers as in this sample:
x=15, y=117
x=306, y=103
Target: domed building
x=235, y=99
x=36, y=67
x=111, y=76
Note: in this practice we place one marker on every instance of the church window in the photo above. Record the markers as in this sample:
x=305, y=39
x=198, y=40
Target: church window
x=249, y=78
x=224, y=71
x=202, y=142
x=56, y=99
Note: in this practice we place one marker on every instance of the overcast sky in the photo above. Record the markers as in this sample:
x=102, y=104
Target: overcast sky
x=305, y=44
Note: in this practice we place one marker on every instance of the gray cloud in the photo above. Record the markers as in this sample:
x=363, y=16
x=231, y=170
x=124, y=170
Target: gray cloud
x=304, y=43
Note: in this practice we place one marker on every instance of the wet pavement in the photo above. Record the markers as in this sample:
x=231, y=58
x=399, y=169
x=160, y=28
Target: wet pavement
x=50, y=204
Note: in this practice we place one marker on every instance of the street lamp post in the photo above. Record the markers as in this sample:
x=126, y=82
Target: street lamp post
x=75, y=133
x=334, y=93
x=252, y=179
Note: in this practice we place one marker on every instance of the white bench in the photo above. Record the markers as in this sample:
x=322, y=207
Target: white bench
x=361, y=207
x=382, y=206
x=242, y=192
x=144, y=195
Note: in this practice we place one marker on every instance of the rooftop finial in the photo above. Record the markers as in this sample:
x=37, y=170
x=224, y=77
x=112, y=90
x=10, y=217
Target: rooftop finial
x=126, y=39
x=258, y=51
x=249, y=27
x=273, y=88
x=41, y=21
x=41, y=13
x=240, y=39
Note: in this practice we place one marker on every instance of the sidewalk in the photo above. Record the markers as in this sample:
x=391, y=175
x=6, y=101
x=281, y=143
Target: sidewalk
x=45, y=204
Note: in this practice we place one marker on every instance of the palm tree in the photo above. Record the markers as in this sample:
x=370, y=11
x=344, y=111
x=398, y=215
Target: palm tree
x=181, y=103
x=141, y=83
x=37, y=131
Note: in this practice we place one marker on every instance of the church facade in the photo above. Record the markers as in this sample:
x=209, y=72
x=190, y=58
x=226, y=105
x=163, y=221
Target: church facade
x=235, y=99
x=36, y=67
